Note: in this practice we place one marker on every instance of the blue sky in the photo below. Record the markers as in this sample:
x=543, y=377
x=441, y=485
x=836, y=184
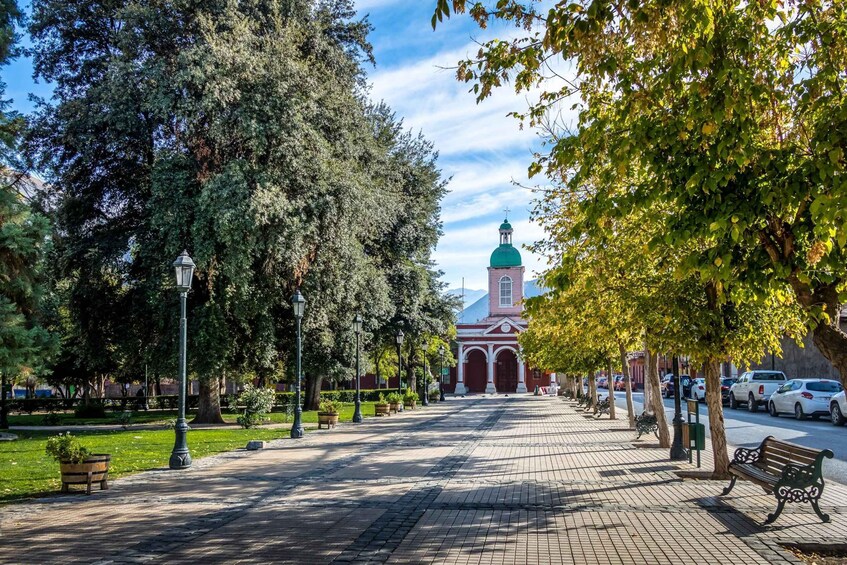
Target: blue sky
x=481, y=148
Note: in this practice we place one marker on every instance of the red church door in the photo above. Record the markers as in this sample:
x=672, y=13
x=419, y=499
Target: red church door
x=506, y=376
x=475, y=371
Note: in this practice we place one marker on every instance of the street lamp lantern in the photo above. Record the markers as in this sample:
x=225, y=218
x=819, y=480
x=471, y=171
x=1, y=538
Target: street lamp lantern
x=181, y=456
x=357, y=329
x=184, y=268
x=298, y=304
x=399, y=337
x=441, y=371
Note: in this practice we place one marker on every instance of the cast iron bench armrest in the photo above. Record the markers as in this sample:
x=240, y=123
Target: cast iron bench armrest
x=798, y=476
x=747, y=455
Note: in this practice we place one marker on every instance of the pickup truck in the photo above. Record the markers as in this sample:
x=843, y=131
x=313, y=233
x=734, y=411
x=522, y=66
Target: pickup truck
x=754, y=388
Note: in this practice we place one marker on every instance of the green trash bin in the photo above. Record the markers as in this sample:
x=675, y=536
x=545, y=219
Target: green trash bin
x=697, y=436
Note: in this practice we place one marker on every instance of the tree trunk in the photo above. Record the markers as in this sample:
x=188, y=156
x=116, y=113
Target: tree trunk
x=411, y=376
x=312, y=392
x=209, y=405
x=611, y=382
x=832, y=343
x=592, y=389
x=378, y=357
x=652, y=374
x=716, y=425
x=630, y=408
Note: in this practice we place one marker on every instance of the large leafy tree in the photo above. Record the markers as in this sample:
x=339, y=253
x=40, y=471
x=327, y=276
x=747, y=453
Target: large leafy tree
x=238, y=131
x=737, y=112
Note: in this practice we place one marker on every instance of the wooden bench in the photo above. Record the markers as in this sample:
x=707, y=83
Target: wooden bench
x=791, y=472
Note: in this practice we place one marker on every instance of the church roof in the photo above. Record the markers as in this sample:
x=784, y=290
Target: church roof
x=479, y=309
x=506, y=256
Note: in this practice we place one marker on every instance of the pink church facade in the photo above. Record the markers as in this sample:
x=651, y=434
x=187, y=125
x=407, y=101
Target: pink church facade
x=487, y=342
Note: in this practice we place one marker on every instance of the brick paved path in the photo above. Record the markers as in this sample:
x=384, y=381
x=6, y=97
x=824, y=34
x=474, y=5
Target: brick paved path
x=475, y=480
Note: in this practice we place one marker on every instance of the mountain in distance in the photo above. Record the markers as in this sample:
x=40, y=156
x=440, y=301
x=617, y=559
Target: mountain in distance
x=471, y=295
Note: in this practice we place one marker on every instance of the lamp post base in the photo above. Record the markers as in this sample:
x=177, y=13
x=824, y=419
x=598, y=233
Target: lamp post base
x=678, y=452
x=357, y=413
x=297, y=431
x=180, y=460
x=441, y=392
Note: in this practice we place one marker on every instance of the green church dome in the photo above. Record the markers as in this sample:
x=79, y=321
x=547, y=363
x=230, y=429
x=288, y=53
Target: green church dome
x=505, y=225
x=505, y=256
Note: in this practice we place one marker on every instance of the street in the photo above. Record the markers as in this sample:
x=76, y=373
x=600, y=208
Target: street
x=747, y=429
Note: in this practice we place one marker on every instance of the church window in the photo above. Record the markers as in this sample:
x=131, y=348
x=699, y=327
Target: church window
x=505, y=291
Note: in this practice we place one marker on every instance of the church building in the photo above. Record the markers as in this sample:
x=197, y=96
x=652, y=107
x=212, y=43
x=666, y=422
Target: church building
x=487, y=330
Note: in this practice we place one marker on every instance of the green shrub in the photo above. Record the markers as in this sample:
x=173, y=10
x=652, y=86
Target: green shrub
x=51, y=420
x=330, y=406
x=66, y=448
x=257, y=402
x=381, y=399
x=395, y=398
x=90, y=410
x=410, y=396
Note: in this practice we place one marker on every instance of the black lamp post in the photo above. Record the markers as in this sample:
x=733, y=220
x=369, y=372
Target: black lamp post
x=180, y=456
x=441, y=373
x=357, y=329
x=399, y=338
x=425, y=401
x=677, y=450
x=298, y=303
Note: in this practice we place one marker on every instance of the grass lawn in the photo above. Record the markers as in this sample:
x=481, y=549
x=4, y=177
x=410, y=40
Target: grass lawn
x=27, y=471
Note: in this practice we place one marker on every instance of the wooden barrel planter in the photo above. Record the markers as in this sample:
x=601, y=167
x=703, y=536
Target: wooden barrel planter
x=410, y=404
x=95, y=469
x=328, y=419
x=394, y=407
x=382, y=409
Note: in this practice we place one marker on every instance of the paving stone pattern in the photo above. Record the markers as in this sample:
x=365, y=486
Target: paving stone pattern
x=480, y=480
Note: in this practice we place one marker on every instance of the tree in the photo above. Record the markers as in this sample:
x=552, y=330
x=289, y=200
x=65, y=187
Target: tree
x=25, y=344
x=237, y=131
x=736, y=110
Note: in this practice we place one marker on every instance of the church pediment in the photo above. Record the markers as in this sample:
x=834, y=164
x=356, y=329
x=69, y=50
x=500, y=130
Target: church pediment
x=504, y=326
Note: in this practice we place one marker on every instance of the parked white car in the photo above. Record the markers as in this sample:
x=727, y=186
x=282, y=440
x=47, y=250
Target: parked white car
x=804, y=397
x=838, y=409
x=755, y=388
x=698, y=390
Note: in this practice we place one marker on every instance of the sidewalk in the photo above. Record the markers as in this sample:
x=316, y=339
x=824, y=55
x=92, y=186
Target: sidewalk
x=476, y=480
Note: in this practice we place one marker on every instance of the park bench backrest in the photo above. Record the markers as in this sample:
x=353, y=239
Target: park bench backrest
x=777, y=454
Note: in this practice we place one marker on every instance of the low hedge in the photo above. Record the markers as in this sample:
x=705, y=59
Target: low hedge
x=171, y=401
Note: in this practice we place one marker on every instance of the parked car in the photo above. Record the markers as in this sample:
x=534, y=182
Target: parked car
x=685, y=385
x=755, y=388
x=725, y=386
x=698, y=390
x=838, y=409
x=620, y=382
x=602, y=382
x=804, y=397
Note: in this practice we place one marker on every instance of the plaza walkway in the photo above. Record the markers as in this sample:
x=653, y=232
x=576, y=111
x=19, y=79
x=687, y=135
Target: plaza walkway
x=475, y=480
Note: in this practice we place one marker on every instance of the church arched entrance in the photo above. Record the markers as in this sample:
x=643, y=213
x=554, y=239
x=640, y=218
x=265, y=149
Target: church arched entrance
x=475, y=371
x=506, y=371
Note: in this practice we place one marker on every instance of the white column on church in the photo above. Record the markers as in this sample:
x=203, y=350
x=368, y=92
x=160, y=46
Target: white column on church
x=521, y=376
x=490, y=388
x=460, y=373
